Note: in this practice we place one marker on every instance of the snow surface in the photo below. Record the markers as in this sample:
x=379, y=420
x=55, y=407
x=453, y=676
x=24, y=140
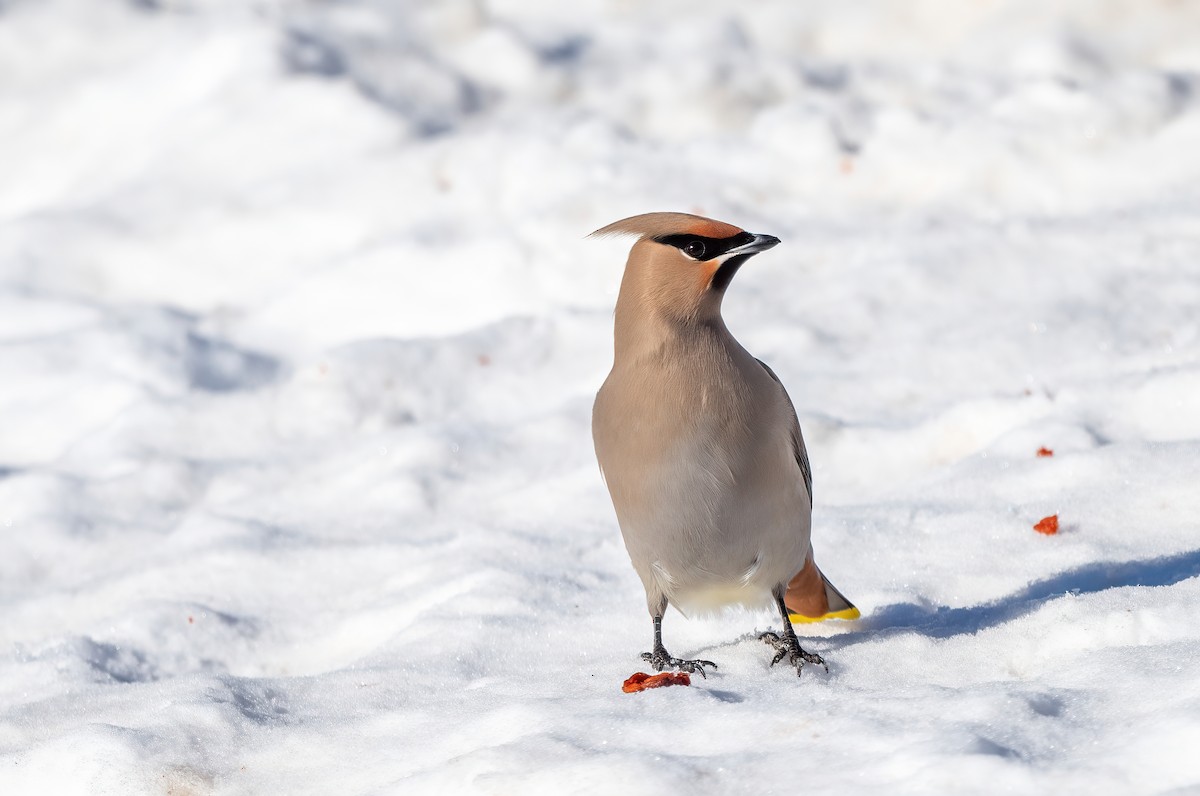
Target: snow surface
x=299, y=336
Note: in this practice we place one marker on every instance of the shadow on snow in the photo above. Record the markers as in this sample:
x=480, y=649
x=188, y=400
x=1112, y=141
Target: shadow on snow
x=943, y=622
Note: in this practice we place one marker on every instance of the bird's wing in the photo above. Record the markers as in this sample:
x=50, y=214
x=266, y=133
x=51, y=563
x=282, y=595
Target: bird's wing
x=810, y=596
x=797, y=439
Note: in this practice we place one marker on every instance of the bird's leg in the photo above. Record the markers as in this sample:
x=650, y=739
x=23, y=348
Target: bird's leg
x=660, y=659
x=789, y=645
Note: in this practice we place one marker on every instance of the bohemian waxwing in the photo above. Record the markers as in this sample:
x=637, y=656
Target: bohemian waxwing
x=699, y=444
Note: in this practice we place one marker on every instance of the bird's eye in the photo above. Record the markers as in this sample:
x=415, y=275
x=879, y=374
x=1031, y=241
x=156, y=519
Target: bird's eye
x=694, y=248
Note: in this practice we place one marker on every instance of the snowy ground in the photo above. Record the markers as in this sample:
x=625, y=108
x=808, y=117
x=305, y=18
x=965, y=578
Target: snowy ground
x=299, y=335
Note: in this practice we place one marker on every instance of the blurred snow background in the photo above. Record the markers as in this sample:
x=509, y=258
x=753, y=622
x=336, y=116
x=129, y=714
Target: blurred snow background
x=299, y=336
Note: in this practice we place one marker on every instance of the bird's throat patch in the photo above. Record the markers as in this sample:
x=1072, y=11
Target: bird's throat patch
x=724, y=274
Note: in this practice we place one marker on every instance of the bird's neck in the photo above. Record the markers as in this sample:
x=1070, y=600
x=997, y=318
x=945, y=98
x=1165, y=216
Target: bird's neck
x=656, y=311
x=642, y=332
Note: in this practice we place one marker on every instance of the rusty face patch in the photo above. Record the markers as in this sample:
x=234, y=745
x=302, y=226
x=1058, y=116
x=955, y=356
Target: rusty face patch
x=707, y=228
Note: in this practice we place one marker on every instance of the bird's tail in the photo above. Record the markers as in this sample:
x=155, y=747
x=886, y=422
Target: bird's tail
x=812, y=598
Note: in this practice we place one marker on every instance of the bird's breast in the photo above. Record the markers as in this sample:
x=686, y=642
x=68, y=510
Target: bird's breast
x=695, y=465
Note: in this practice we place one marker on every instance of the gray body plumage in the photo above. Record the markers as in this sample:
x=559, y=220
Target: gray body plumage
x=698, y=444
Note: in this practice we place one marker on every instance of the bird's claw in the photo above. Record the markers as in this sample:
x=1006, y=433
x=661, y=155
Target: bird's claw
x=789, y=646
x=661, y=659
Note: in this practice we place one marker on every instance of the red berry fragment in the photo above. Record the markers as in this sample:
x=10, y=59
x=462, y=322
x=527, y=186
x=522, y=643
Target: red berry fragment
x=1047, y=525
x=640, y=681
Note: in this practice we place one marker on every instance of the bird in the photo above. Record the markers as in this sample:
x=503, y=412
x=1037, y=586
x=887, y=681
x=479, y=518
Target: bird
x=700, y=446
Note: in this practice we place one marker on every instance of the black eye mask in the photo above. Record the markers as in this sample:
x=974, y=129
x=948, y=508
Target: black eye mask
x=701, y=248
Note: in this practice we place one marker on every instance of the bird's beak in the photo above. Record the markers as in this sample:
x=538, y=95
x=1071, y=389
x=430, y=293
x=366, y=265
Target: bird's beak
x=760, y=244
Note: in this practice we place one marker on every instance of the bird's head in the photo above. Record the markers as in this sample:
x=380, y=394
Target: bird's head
x=681, y=264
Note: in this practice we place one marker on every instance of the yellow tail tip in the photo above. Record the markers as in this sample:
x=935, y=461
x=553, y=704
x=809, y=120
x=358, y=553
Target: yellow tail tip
x=845, y=613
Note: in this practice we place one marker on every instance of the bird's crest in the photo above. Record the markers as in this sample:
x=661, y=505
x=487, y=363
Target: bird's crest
x=656, y=225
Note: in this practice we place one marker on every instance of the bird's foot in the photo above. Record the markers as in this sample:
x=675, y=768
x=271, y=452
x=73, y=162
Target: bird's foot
x=788, y=645
x=661, y=659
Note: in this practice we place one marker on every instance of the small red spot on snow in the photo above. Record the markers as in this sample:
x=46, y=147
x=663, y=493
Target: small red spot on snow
x=191, y=620
x=1047, y=525
x=1043, y=451
x=484, y=360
